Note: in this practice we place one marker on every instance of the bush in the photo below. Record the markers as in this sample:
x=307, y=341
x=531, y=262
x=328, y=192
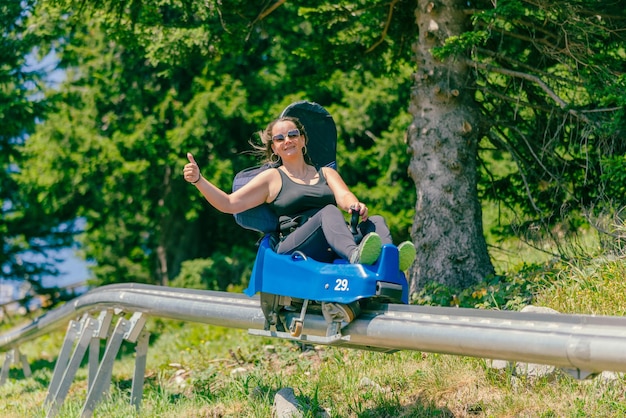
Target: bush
x=511, y=291
x=220, y=272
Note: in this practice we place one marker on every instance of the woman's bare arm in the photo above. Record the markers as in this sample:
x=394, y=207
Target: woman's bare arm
x=252, y=194
x=346, y=200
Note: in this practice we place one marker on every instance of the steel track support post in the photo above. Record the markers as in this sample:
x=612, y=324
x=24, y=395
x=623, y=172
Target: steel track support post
x=14, y=357
x=71, y=335
x=104, y=325
x=94, y=361
x=141, y=354
x=102, y=380
x=87, y=332
x=9, y=358
x=24, y=361
x=137, y=335
x=137, y=322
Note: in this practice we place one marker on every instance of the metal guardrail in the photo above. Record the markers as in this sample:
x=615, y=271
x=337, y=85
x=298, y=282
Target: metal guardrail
x=218, y=308
x=584, y=344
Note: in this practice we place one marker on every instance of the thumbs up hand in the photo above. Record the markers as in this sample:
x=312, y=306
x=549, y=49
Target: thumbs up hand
x=191, y=171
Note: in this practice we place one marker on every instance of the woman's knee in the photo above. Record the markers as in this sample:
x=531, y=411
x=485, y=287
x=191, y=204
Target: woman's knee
x=376, y=223
x=378, y=220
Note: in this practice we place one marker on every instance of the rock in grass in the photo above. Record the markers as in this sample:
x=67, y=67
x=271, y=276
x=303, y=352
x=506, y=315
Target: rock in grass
x=286, y=405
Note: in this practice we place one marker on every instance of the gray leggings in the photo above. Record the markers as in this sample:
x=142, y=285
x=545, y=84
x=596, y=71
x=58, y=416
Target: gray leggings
x=325, y=235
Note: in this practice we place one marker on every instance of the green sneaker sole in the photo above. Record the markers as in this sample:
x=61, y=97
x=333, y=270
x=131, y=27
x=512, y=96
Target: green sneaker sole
x=369, y=249
x=406, y=252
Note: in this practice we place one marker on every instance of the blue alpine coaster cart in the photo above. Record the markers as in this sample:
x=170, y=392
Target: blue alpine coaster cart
x=292, y=285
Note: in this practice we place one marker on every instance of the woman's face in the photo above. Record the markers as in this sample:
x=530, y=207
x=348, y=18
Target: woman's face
x=287, y=141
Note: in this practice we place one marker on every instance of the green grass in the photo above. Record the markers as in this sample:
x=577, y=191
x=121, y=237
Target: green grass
x=195, y=370
x=596, y=287
x=190, y=374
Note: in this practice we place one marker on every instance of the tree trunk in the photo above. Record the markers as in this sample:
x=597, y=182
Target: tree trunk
x=447, y=229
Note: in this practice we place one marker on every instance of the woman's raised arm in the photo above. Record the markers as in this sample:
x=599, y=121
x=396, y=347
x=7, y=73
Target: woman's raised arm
x=254, y=193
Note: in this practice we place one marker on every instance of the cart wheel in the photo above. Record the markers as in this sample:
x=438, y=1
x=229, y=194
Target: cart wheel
x=334, y=311
x=296, y=329
x=350, y=311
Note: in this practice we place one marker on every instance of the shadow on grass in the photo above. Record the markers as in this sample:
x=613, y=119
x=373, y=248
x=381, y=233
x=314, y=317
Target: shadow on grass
x=384, y=408
x=16, y=372
x=421, y=408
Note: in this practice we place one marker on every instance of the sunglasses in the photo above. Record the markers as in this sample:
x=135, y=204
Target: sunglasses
x=294, y=133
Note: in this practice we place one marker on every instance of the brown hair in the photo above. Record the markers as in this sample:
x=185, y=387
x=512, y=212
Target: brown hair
x=264, y=151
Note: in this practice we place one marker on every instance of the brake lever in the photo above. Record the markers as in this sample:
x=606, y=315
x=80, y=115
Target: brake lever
x=354, y=221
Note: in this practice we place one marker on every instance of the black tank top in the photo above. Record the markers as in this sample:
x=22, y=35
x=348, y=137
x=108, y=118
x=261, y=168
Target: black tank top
x=294, y=198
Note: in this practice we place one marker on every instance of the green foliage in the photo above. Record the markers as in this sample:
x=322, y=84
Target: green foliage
x=24, y=230
x=456, y=45
x=220, y=272
x=577, y=287
x=377, y=35
x=148, y=81
x=147, y=86
x=112, y=151
x=372, y=151
x=614, y=176
x=550, y=85
x=511, y=291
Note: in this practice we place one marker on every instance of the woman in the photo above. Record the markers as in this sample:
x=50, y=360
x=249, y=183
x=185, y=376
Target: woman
x=308, y=201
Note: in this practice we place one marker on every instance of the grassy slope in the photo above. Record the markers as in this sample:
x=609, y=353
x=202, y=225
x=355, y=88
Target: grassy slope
x=191, y=378
x=196, y=370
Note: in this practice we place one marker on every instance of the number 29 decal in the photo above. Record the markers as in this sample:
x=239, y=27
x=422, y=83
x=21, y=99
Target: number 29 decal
x=341, y=285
